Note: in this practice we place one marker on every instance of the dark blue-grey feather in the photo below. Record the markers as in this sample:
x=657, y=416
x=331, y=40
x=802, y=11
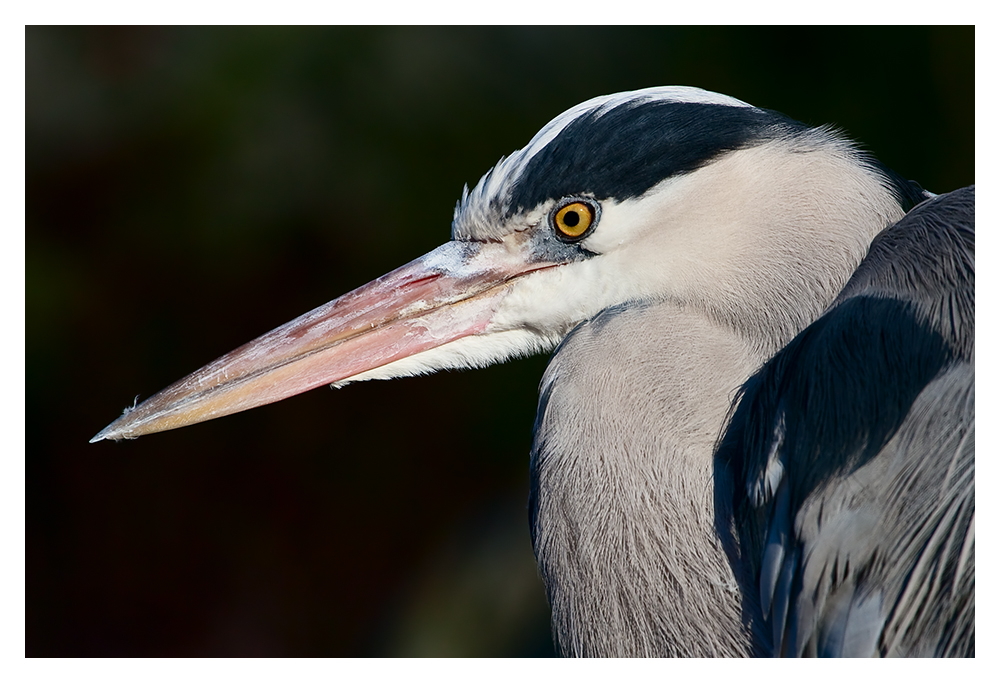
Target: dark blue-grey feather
x=773, y=557
x=875, y=404
x=622, y=152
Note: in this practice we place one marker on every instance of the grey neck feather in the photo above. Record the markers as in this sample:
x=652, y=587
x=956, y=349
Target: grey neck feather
x=622, y=505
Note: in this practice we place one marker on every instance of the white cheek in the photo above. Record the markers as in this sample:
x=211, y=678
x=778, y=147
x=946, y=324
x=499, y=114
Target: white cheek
x=634, y=219
x=553, y=301
x=631, y=264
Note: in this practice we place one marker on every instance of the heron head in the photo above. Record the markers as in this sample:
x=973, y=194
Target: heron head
x=669, y=193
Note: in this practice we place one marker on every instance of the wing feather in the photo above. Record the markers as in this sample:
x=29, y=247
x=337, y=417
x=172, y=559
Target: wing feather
x=852, y=454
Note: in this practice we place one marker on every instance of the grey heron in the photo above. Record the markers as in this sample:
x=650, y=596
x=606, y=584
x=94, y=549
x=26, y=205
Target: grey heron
x=756, y=433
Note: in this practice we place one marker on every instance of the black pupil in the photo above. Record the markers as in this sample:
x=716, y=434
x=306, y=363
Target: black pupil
x=572, y=219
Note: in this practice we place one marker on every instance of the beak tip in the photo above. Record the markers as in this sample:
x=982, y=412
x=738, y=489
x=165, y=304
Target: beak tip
x=113, y=432
x=106, y=433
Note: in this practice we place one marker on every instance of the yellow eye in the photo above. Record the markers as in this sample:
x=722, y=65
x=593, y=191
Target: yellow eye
x=574, y=219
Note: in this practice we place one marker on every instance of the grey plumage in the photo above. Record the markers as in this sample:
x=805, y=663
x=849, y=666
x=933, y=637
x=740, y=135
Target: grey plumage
x=835, y=516
x=871, y=530
x=621, y=486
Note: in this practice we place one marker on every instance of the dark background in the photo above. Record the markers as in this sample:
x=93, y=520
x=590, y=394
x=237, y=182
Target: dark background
x=189, y=189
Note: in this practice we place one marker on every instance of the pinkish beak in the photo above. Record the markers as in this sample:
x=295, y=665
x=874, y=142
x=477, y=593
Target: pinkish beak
x=449, y=293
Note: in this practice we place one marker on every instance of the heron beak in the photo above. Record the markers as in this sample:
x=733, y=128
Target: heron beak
x=449, y=293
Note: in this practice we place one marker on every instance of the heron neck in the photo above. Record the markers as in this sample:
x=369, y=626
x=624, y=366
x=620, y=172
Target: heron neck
x=621, y=484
